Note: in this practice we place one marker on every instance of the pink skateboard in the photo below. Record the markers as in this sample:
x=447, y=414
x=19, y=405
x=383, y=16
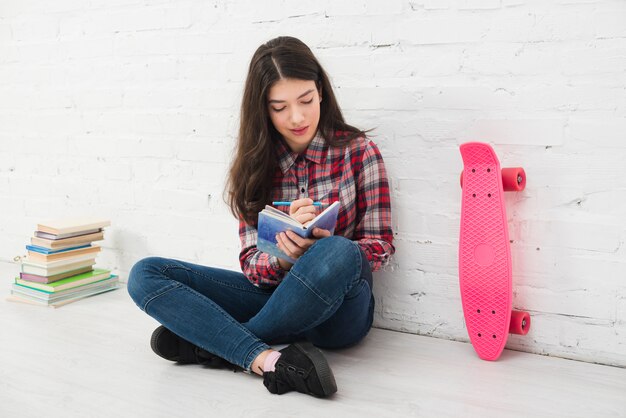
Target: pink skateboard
x=485, y=253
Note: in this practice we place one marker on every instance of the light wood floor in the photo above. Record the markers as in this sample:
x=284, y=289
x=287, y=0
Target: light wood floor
x=92, y=359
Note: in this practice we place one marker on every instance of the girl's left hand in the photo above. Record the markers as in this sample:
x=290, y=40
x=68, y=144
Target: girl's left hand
x=294, y=245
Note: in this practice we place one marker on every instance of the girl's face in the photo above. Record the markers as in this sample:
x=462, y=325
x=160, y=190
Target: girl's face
x=294, y=108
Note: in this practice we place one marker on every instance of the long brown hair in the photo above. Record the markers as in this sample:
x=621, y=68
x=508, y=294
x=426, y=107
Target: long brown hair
x=249, y=182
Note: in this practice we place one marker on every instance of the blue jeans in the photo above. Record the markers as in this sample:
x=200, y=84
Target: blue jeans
x=325, y=298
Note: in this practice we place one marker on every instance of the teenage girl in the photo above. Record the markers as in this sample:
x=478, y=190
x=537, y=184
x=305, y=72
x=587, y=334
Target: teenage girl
x=293, y=145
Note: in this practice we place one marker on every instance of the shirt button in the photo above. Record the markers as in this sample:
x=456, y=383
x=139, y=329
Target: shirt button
x=302, y=190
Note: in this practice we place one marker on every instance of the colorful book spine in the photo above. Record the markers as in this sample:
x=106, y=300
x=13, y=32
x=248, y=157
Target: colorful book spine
x=44, y=250
x=53, y=278
x=68, y=283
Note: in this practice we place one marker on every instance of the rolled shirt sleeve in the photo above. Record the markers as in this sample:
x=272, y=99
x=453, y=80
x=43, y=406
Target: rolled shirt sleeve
x=373, y=232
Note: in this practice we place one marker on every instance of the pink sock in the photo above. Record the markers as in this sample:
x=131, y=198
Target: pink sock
x=270, y=361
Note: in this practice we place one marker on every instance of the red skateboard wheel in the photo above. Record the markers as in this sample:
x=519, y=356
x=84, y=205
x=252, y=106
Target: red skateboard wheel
x=520, y=323
x=513, y=179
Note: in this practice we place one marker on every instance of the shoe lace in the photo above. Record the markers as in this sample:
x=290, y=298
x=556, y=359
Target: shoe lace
x=292, y=376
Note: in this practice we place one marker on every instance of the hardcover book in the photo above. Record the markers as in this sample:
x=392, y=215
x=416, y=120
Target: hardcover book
x=272, y=221
x=47, y=235
x=44, y=250
x=49, y=279
x=68, y=283
x=71, y=225
x=63, y=255
x=55, y=267
x=57, y=244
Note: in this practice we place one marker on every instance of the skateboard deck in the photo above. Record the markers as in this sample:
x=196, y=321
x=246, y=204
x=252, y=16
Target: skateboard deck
x=485, y=276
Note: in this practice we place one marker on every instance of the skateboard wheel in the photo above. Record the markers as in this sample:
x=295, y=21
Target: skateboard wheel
x=520, y=322
x=513, y=179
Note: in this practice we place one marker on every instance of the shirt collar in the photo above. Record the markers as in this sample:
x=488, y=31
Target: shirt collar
x=315, y=152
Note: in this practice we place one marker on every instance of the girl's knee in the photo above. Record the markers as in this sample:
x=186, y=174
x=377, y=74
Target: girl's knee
x=330, y=260
x=336, y=242
x=139, y=274
x=338, y=253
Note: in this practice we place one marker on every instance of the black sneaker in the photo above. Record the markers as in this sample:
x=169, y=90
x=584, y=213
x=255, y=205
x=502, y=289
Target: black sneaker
x=171, y=347
x=301, y=367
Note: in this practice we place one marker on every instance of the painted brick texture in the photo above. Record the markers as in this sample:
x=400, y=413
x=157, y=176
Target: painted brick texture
x=129, y=109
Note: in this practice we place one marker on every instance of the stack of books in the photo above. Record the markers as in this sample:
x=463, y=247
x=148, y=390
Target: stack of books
x=59, y=267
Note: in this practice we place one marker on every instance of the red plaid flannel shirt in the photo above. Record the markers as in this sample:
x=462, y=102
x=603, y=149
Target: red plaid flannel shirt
x=355, y=176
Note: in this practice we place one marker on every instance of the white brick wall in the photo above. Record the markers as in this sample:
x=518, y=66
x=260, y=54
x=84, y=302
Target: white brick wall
x=129, y=108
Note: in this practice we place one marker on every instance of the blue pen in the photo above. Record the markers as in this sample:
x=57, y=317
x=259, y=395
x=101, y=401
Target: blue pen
x=289, y=203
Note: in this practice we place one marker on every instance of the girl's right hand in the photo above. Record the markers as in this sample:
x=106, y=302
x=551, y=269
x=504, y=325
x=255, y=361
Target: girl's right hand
x=302, y=210
x=295, y=246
